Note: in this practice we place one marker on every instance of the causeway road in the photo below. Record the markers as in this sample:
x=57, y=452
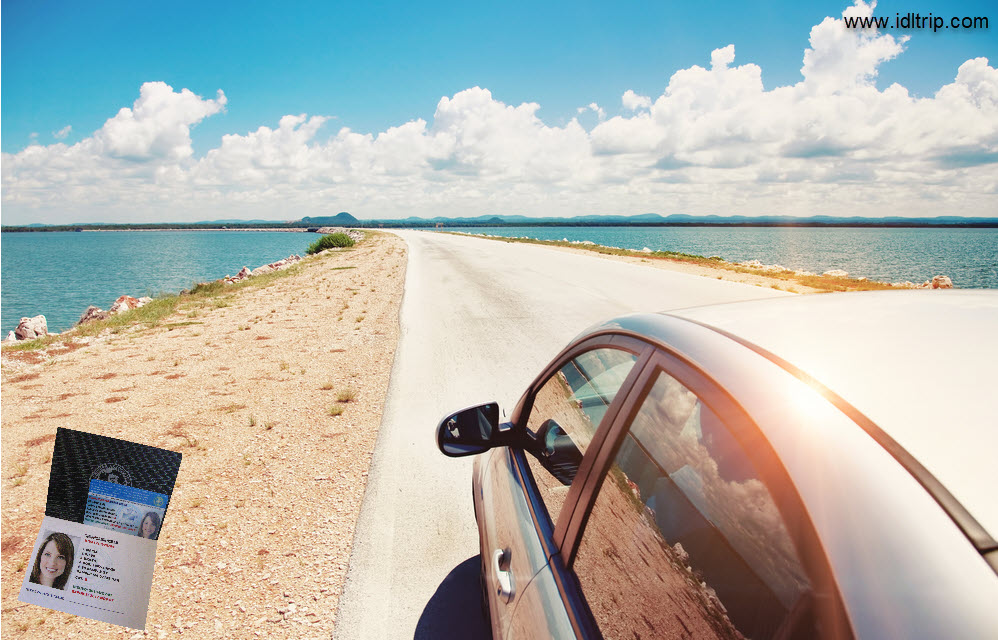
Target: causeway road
x=479, y=319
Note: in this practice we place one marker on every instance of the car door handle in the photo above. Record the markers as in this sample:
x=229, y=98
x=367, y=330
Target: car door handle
x=504, y=577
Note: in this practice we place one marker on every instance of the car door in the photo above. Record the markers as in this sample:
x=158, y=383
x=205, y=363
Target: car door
x=526, y=491
x=687, y=525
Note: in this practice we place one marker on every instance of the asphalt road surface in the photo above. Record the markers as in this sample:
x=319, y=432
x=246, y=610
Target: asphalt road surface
x=479, y=320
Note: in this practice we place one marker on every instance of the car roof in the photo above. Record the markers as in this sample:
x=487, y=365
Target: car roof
x=918, y=364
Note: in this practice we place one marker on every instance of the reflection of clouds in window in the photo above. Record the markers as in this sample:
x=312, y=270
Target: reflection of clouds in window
x=701, y=457
x=575, y=398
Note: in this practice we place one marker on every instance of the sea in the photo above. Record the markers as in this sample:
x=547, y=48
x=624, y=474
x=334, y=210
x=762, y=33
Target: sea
x=60, y=274
x=968, y=256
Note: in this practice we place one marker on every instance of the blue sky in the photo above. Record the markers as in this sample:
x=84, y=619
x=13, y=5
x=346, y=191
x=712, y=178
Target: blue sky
x=373, y=66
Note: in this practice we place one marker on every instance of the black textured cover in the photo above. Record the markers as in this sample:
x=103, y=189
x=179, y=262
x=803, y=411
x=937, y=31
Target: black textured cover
x=80, y=457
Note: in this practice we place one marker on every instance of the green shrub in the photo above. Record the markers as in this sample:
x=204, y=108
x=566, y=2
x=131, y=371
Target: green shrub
x=331, y=241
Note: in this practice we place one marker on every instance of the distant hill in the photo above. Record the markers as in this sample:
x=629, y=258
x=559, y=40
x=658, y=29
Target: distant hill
x=344, y=219
x=655, y=220
x=341, y=219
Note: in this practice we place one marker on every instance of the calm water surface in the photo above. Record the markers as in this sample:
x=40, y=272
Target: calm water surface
x=59, y=275
x=968, y=256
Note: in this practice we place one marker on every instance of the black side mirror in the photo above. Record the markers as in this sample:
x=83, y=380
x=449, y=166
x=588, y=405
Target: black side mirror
x=470, y=431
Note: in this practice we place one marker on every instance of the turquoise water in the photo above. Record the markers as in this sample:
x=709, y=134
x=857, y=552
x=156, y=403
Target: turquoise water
x=968, y=256
x=59, y=275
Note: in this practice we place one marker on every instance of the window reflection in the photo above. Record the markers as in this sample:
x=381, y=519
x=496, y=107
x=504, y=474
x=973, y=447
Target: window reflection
x=684, y=538
x=565, y=415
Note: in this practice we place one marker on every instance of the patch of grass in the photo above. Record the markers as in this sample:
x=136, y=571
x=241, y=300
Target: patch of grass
x=335, y=410
x=284, y=365
x=230, y=408
x=208, y=288
x=359, y=319
x=252, y=420
x=170, y=326
x=17, y=482
x=327, y=386
x=347, y=395
x=20, y=469
x=331, y=241
x=195, y=503
x=821, y=283
x=269, y=425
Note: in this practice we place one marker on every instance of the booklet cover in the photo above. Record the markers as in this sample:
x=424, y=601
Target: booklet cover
x=96, y=550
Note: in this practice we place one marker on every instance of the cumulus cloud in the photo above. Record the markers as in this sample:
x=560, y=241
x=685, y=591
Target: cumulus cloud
x=633, y=101
x=63, y=133
x=840, y=58
x=158, y=126
x=595, y=108
x=715, y=141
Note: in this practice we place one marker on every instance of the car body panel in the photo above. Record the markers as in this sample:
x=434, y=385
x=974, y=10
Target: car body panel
x=904, y=564
x=956, y=368
x=505, y=524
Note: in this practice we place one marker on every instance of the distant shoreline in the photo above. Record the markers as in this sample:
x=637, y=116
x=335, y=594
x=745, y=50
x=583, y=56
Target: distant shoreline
x=990, y=223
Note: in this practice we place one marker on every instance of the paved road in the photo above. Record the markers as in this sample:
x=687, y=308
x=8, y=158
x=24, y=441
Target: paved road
x=479, y=320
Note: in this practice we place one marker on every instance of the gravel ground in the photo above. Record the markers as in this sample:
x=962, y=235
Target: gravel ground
x=258, y=535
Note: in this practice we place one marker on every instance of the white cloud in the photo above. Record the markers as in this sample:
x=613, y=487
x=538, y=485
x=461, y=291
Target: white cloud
x=715, y=141
x=595, y=108
x=840, y=58
x=61, y=134
x=158, y=126
x=633, y=101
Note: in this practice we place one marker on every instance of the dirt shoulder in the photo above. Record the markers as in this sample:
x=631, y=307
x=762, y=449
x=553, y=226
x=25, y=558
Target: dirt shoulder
x=257, y=538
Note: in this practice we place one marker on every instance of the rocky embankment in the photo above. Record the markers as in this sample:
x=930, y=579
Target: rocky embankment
x=37, y=326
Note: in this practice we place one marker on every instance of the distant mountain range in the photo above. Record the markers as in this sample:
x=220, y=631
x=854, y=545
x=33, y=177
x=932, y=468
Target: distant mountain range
x=345, y=219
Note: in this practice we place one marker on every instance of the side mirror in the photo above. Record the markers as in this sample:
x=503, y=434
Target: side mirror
x=470, y=431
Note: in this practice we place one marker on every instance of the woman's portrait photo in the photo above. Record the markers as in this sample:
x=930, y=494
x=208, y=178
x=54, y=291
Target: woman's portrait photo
x=150, y=526
x=54, y=561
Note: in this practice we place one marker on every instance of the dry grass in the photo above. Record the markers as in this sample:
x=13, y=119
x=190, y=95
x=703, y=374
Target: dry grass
x=821, y=283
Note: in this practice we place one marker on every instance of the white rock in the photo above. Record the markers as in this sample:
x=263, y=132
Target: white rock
x=836, y=273
x=30, y=328
x=10, y=337
x=124, y=303
x=942, y=282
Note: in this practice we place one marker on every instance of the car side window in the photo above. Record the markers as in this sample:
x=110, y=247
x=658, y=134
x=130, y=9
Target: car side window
x=565, y=414
x=684, y=539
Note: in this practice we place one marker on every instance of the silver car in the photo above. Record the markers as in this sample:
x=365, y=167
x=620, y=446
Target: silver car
x=811, y=466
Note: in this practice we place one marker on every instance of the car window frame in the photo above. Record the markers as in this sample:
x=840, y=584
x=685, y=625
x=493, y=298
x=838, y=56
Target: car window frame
x=542, y=522
x=550, y=534
x=750, y=437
